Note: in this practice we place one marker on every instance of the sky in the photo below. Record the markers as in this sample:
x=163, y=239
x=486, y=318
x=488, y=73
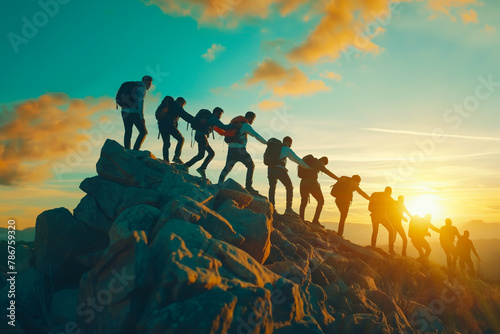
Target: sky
x=404, y=94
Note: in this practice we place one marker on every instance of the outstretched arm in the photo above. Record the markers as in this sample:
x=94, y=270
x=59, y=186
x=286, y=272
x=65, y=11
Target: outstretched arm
x=362, y=193
x=434, y=228
x=405, y=210
x=474, y=251
x=216, y=122
x=327, y=172
x=295, y=158
x=247, y=128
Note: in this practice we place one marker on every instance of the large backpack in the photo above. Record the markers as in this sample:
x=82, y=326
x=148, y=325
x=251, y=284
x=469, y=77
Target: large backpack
x=234, y=135
x=311, y=161
x=378, y=202
x=163, y=109
x=341, y=186
x=200, y=121
x=273, y=152
x=125, y=97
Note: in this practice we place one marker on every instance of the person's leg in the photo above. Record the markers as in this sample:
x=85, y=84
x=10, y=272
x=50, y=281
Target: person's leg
x=304, y=197
x=387, y=224
x=427, y=248
x=140, y=124
x=375, y=222
x=318, y=195
x=180, y=141
x=343, y=206
x=400, y=230
x=247, y=161
x=201, y=140
x=462, y=264
x=209, y=157
x=230, y=162
x=287, y=182
x=271, y=176
x=470, y=264
x=165, y=136
x=128, y=124
x=416, y=242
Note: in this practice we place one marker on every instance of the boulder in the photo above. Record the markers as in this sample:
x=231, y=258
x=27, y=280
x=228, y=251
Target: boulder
x=64, y=305
x=254, y=227
x=89, y=212
x=25, y=257
x=365, y=323
x=252, y=313
x=134, y=196
x=136, y=218
x=107, y=194
x=120, y=166
x=193, y=235
x=242, y=199
x=261, y=205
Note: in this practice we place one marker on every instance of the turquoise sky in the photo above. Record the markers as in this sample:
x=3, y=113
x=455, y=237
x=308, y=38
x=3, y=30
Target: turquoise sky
x=370, y=118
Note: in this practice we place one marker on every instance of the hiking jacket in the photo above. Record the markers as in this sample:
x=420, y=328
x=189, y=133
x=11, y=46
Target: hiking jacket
x=140, y=94
x=286, y=152
x=214, y=121
x=245, y=130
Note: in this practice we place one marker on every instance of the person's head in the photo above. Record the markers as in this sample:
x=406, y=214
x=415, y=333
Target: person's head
x=167, y=101
x=181, y=101
x=388, y=191
x=428, y=217
x=466, y=234
x=447, y=221
x=287, y=141
x=250, y=116
x=324, y=160
x=147, y=81
x=401, y=199
x=356, y=178
x=218, y=112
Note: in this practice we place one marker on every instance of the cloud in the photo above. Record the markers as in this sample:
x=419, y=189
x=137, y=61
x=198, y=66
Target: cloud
x=331, y=75
x=284, y=82
x=39, y=131
x=489, y=29
x=469, y=16
x=213, y=52
x=452, y=8
x=427, y=134
x=268, y=105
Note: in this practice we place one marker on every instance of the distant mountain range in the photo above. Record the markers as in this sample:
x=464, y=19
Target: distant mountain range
x=28, y=234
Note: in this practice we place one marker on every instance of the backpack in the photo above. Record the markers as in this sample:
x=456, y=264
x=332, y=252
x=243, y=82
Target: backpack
x=163, y=108
x=200, y=121
x=273, y=152
x=233, y=135
x=125, y=97
x=303, y=173
x=340, y=187
x=378, y=202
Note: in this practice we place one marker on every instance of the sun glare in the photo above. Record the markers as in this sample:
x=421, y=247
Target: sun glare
x=422, y=204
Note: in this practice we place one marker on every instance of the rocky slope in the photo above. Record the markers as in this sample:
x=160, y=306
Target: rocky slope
x=152, y=249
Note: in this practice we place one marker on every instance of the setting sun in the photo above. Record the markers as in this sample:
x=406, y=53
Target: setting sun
x=423, y=204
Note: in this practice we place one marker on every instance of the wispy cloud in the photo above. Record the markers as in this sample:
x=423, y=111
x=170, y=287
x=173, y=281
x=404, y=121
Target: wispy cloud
x=213, y=52
x=268, y=105
x=469, y=16
x=331, y=75
x=489, y=29
x=428, y=134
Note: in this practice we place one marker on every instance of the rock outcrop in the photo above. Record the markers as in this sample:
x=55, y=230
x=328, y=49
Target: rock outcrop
x=152, y=249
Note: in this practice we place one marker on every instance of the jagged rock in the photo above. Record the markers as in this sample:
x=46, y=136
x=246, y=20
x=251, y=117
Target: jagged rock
x=315, y=304
x=354, y=277
x=194, y=236
x=118, y=165
x=279, y=240
x=289, y=270
x=59, y=239
x=261, y=205
x=175, y=185
x=308, y=326
x=422, y=319
x=254, y=227
x=252, y=313
x=241, y=198
x=64, y=305
x=118, y=284
x=187, y=209
x=107, y=194
x=275, y=255
x=365, y=323
x=287, y=302
x=89, y=212
x=136, y=218
x=134, y=196
x=231, y=184
x=337, y=261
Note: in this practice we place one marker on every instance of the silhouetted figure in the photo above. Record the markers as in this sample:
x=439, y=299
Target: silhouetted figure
x=130, y=98
x=309, y=185
x=237, y=151
x=343, y=192
x=396, y=217
x=275, y=158
x=418, y=230
x=464, y=247
x=447, y=235
x=380, y=205
x=203, y=124
x=168, y=114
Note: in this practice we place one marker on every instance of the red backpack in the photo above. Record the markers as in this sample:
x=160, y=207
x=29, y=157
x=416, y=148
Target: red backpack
x=233, y=135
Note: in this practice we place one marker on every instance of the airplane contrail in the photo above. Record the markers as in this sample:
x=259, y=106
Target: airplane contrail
x=417, y=133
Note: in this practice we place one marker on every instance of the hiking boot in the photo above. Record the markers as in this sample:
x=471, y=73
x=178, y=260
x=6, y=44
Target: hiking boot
x=252, y=191
x=289, y=211
x=177, y=160
x=201, y=172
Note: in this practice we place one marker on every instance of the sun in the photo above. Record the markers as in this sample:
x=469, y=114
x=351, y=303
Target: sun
x=423, y=204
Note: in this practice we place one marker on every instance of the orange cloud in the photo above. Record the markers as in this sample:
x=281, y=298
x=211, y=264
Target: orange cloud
x=469, y=16
x=489, y=29
x=39, y=131
x=331, y=75
x=267, y=105
x=450, y=8
x=285, y=82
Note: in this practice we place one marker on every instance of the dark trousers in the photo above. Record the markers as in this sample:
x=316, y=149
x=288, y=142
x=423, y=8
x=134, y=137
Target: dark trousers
x=129, y=120
x=203, y=146
x=274, y=174
x=311, y=187
x=234, y=155
x=167, y=130
x=421, y=245
x=343, y=205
